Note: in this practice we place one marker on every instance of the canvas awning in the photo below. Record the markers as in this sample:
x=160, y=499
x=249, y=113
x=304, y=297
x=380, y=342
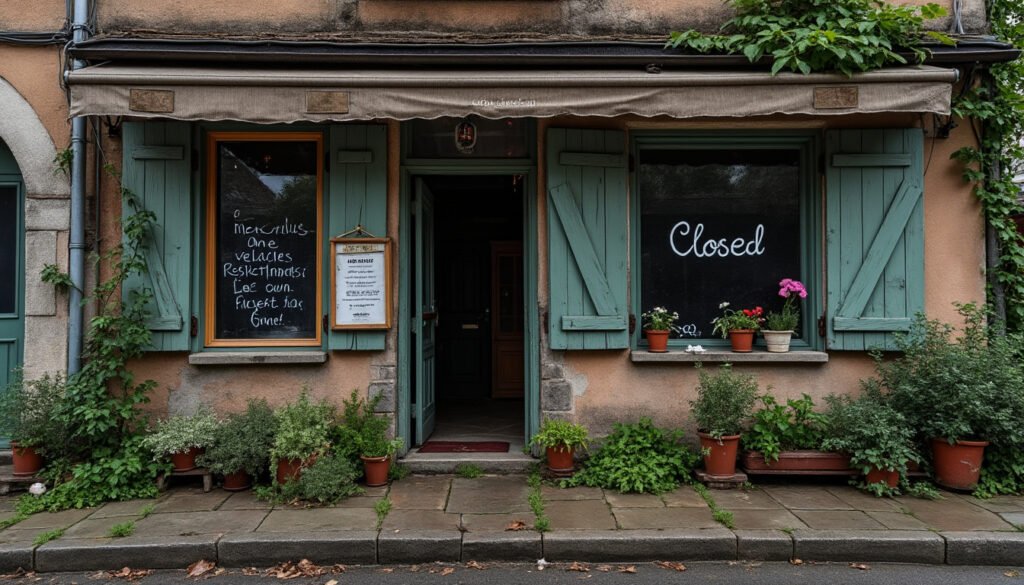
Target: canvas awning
x=289, y=95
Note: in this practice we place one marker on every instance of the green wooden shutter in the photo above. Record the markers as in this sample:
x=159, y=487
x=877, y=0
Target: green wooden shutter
x=157, y=168
x=357, y=195
x=875, y=235
x=587, y=232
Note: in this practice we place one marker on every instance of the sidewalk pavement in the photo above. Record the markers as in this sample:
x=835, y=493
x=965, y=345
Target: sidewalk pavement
x=446, y=518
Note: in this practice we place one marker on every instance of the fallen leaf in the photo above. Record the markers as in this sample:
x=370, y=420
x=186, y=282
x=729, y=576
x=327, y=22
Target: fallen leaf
x=19, y=572
x=128, y=574
x=576, y=566
x=671, y=565
x=447, y=571
x=516, y=525
x=414, y=569
x=603, y=568
x=627, y=569
x=860, y=566
x=795, y=562
x=1012, y=573
x=337, y=569
x=386, y=570
x=200, y=568
x=250, y=571
x=541, y=564
x=474, y=565
x=332, y=582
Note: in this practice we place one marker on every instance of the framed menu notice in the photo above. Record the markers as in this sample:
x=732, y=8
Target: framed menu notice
x=361, y=283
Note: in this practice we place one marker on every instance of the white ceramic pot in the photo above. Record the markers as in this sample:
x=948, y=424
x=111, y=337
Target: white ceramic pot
x=777, y=341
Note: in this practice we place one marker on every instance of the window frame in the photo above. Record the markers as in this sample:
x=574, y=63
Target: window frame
x=209, y=257
x=808, y=143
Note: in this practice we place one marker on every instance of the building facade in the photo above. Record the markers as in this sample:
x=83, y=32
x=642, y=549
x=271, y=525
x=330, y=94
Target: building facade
x=466, y=207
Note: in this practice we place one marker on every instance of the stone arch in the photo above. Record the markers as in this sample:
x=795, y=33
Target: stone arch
x=30, y=143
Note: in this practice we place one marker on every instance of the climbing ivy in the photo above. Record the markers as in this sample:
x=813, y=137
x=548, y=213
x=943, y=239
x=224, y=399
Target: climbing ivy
x=820, y=35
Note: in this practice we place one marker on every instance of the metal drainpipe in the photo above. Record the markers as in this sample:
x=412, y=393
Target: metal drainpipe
x=76, y=246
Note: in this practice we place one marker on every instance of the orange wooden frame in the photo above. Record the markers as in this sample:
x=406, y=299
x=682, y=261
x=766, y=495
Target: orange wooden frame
x=210, y=304
x=387, y=283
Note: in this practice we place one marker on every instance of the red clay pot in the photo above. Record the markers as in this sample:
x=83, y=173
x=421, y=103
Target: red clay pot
x=742, y=340
x=889, y=478
x=290, y=469
x=561, y=461
x=376, y=469
x=720, y=454
x=185, y=461
x=958, y=466
x=26, y=461
x=237, y=481
x=657, y=340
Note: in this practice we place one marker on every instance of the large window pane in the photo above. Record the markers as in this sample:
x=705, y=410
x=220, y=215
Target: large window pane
x=8, y=248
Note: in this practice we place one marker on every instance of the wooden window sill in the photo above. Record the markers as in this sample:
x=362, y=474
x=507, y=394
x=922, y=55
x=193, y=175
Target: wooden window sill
x=640, y=356
x=240, y=358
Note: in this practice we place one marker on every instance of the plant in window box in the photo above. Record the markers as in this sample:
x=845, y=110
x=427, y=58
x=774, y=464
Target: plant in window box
x=303, y=434
x=183, y=438
x=658, y=323
x=724, y=402
x=787, y=439
x=29, y=415
x=560, y=439
x=241, y=446
x=738, y=326
x=779, y=327
x=878, y=439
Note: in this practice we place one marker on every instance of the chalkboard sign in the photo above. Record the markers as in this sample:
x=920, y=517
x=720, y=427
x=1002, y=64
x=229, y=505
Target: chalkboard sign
x=717, y=225
x=361, y=283
x=265, y=272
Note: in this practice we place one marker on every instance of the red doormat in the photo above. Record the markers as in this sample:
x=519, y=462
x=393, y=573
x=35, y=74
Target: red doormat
x=464, y=447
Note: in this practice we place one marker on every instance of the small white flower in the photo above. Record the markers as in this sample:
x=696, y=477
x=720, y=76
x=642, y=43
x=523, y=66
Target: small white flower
x=723, y=304
x=37, y=489
x=541, y=564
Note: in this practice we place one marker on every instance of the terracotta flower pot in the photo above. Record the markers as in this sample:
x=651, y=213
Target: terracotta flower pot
x=958, y=466
x=185, y=461
x=26, y=461
x=376, y=469
x=657, y=340
x=777, y=341
x=290, y=469
x=742, y=340
x=561, y=461
x=799, y=462
x=237, y=481
x=720, y=454
x=889, y=478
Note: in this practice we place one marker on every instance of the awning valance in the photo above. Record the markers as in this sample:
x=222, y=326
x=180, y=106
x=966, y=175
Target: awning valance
x=281, y=95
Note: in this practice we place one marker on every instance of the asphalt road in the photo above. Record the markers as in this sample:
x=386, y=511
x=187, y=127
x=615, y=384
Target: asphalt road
x=645, y=573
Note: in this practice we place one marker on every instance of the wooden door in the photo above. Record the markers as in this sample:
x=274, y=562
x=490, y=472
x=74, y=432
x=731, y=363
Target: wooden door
x=426, y=315
x=507, y=320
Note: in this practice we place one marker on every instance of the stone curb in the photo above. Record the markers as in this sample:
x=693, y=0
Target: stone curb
x=525, y=545
x=262, y=549
x=419, y=546
x=171, y=552
x=16, y=556
x=711, y=544
x=984, y=548
x=764, y=545
x=889, y=546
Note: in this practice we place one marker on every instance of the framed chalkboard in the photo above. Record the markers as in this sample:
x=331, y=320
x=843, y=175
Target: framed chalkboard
x=718, y=223
x=264, y=249
x=361, y=283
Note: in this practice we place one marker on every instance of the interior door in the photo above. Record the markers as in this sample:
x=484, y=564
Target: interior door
x=425, y=319
x=507, y=356
x=12, y=282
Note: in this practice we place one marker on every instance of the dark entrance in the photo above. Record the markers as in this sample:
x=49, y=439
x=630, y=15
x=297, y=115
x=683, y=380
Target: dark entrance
x=478, y=286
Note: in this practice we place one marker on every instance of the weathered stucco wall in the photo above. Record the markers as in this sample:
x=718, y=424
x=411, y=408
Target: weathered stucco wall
x=32, y=15
x=415, y=18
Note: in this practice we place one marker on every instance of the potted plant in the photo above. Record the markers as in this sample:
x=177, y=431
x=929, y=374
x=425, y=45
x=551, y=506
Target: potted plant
x=738, y=326
x=30, y=416
x=723, y=405
x=658, y=323
x=302, y=434
x=959, y=389
x=877, y=438
x=786, y=439
x=183, y=438
x=779, y=327
x=560, y=439
x=364, y=434
x=241, y=446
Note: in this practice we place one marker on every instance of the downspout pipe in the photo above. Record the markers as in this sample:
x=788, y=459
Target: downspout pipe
x=76, y=260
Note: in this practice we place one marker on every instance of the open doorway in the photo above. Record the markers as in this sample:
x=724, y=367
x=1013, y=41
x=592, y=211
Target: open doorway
x=468, y=359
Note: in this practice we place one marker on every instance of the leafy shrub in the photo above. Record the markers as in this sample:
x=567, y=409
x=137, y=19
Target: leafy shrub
x=362, y=431
x=638, y=457
x=556, y=433
x=180, y=433
x=29, y=412
x=778, y=427
x=724, y=401
x=1003, y=471
x=330, y=479
x=303, y=428
x=243, y=441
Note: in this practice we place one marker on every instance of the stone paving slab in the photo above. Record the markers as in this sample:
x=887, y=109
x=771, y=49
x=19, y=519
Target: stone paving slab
x=189, y=523
x=495, y=522
x=246, y=500
x=1015, y=518
x=996, y=504
x=859, y=500
x=261, y=549
x=897, y=520
x=192, y=501
x=95, y=527
x=420, y=492
x=420, y=520
x=51, y=520
x=661, y=518
x=501, y=494
x=766, y=520
x=129, y=508
x=952, y=513
x=617, y=500
x=805, y=498
x=745, y=500
x=319, y=520
x=713, y=544
x=838, y=520
x=684, y=497
x=579, y=515
x=21, y=536
x=890, y=546
x=553, y=493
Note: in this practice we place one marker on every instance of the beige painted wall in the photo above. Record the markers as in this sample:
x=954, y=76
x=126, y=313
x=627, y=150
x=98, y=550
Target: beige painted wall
x=32, y=15
x=35, y=73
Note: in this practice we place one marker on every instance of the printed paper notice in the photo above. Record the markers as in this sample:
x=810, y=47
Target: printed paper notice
x=360, y=297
